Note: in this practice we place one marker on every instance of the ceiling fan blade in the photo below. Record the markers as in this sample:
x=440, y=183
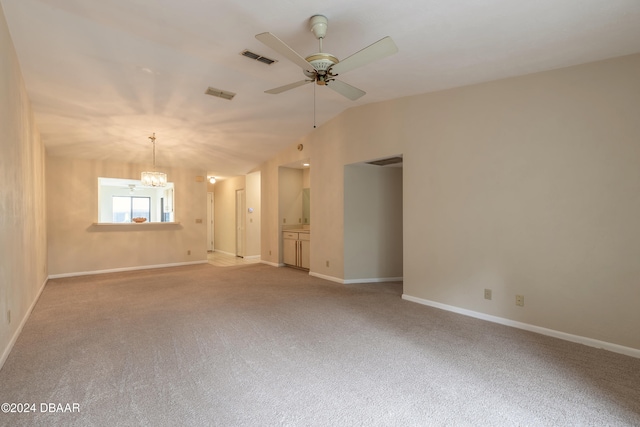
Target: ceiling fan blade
x=345, y=89
x=380, y=49
x=283, y=49
x=281, y=89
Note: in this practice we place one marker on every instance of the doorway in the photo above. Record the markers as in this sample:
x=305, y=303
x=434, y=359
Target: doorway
x=373, y=221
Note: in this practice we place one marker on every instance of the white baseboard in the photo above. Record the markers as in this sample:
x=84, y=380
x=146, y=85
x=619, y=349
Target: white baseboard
x=374, y=280
x=325, y=277
x=628, y=351
x=15, y=336
x=252, y=257
x=354, y=281
x=117, y=270
x=272, y=264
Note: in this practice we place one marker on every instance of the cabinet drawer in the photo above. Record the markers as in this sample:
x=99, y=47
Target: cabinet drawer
x=304, y=236
x=288, y=235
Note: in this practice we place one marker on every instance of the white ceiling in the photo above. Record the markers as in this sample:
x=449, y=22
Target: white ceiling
x=104, y=75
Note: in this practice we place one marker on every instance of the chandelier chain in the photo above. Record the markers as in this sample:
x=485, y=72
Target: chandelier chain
x=153, y=140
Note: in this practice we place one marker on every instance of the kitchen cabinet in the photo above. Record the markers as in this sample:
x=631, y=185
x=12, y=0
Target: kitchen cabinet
x=296, y=245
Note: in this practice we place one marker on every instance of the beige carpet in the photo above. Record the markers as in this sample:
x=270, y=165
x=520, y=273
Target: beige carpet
x=263, y=346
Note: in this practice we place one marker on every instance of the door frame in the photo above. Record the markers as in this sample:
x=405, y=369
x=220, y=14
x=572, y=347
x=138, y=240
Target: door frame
x=210, y=222
x=240, y=222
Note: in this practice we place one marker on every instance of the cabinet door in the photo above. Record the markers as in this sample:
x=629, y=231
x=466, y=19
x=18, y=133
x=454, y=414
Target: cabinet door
x=304, y=256
x=289, y=251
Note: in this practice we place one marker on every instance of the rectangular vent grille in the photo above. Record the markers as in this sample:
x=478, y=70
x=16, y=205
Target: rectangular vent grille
x=257, y=57
x=385, y=162
x=219, y=93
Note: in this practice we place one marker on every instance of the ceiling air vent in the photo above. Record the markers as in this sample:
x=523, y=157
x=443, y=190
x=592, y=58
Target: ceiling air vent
x=386, y=162
x=257, y=57
x=219, y=93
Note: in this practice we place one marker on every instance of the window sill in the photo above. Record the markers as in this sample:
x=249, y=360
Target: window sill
x=133, y=226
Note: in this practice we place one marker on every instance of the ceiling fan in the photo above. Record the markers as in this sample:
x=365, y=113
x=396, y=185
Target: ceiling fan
x=322, y=67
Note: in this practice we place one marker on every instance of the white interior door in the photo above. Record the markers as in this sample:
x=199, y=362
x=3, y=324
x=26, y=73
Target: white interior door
x=240, y=217
x=210, y=222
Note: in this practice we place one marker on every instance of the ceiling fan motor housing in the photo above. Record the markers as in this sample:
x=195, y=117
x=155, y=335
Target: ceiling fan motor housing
x=322, y=63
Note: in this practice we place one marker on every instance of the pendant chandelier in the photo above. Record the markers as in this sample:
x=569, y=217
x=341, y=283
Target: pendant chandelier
x=154, y=179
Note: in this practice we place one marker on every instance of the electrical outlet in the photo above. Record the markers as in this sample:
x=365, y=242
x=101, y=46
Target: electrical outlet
x=520, y=300
x=487, y=294
x=284, y=220
x=269, y=252
x=9, y=317
x=327, y=263
x=189, y=252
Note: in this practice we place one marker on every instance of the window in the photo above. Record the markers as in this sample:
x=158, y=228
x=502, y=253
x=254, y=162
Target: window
x=120, y=200
x=125, y=208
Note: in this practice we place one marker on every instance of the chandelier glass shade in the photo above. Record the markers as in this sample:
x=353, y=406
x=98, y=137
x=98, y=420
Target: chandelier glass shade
x=154, y=179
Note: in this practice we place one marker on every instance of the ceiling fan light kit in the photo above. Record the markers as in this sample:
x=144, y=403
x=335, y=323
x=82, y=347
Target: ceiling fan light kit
x=323, y=68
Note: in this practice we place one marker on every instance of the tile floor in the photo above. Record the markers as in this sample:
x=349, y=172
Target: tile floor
x=220, y=259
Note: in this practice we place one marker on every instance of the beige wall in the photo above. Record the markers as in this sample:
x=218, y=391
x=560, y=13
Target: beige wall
x=530, y=186
x=269, y=230
x=253, y=196
x=23, y=247
x=77, y=246
x=526, y=186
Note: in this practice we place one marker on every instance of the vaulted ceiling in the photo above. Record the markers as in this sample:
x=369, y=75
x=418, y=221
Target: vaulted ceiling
x=102, y=76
